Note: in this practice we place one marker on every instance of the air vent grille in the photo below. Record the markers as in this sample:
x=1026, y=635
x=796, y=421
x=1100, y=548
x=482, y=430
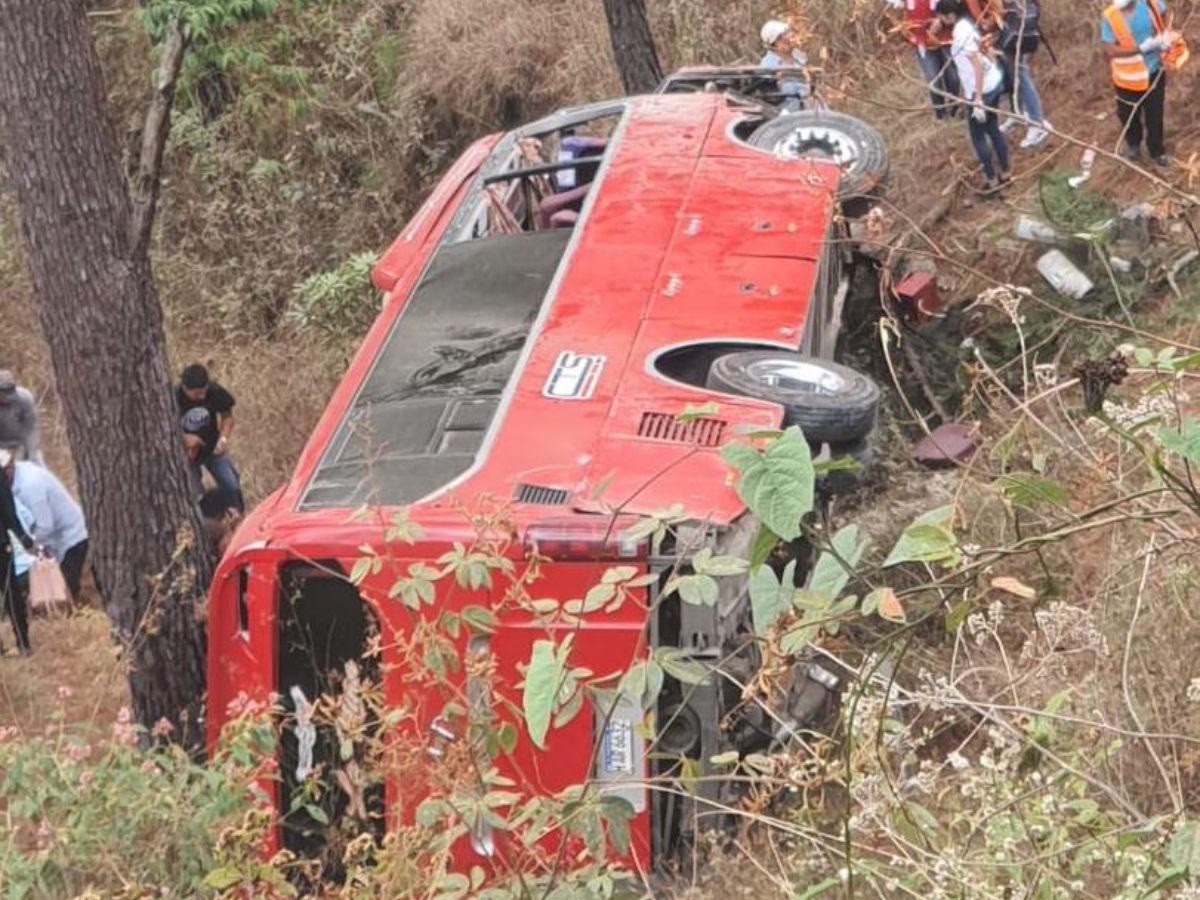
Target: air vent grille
x=540, y=495
x=658, y=426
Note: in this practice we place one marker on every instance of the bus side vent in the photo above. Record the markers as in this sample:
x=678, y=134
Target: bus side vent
x=540, y=495
x=705, y=432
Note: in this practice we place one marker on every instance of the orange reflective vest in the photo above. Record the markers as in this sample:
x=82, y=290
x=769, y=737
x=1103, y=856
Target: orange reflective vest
x=1130, y=73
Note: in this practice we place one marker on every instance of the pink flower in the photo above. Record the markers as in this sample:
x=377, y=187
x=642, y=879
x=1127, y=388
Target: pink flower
x=45, y=835
x=124, y=731
x=8, y=733
x=162, y=728
x=77, y=753
x=242, y=706
x=64, y=692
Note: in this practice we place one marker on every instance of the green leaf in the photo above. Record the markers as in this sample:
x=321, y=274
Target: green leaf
x=796, y=639
x=698, y=590
x=317, y=813
x=957, y=615
x=830, y=575
x=741, y=456
x=776, y=485
x=1185, y=442
x=704, y=563
x=542, y=679
x=452, y=885
x=642, y=683
x=223, y=879
x=1184, y=849
x=480, y=619
x=764, y=543
x=692, y=413
x=679, y=667
x=928, y=539
x=770, y=597
x=1030, y=491
x=360, y=569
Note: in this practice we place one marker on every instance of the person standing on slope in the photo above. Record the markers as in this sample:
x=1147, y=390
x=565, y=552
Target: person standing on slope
x=1135, y=35
x=983, y=86
x=933, y=53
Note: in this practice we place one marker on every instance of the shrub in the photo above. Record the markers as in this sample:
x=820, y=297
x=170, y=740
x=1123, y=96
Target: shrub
x=108, y=816
x=339, y=302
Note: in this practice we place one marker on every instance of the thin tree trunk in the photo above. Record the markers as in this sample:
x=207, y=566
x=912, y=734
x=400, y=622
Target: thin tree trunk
x=148, y=178
x=633, y=45
x=101, y=318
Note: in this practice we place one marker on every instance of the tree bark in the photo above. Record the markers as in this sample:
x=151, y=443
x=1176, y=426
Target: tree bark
x=101, y=318
x=633, y=45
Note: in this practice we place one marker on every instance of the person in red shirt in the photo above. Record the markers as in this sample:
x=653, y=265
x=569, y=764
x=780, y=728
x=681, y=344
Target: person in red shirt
x=920, y=28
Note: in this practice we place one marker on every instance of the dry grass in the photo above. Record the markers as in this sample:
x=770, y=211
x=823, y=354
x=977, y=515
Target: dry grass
x=74, y=653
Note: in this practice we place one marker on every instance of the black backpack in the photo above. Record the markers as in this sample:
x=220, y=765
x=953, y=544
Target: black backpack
x=1021, y=30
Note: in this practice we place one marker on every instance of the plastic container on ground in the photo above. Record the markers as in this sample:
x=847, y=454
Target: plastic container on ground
x=1064, y=276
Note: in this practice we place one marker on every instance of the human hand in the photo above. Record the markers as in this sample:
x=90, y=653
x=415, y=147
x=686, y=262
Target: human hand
x=222, y=446
x=978, y=113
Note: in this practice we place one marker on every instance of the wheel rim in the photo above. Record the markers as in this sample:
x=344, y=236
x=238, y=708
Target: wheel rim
x=794, y=375
x=815, y=142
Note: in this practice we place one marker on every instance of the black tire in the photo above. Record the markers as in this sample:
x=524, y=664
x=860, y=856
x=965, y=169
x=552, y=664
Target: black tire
x=852, y=143
x=831, y=403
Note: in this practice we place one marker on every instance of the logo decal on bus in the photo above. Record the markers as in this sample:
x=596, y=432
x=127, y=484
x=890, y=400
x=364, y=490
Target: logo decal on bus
x=574, y=376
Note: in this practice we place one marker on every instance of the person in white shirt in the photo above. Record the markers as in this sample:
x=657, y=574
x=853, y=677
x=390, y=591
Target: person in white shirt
x=58, y=521
x=982, y=87
x=781, y=52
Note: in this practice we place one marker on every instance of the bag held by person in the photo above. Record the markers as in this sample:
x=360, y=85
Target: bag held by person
x=47, y=587
x=1021, y=29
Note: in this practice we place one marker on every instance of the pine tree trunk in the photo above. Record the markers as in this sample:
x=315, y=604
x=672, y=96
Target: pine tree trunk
x=633, y=45
x=101, y=318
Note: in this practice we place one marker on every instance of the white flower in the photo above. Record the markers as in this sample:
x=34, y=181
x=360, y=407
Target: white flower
x=957, y=761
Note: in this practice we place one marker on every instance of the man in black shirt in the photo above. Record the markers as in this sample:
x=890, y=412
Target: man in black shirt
x=197, y=391
x=12, y=594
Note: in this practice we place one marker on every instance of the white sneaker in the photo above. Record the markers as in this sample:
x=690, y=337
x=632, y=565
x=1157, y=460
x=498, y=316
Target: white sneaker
x=1034, y=137
x=1008, y=125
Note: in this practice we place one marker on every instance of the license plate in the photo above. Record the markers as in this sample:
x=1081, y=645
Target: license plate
x=617, y=749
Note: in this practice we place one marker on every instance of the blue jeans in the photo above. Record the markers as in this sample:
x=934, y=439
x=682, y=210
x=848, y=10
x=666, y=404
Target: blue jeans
x=1026, y=100
x=988, y=139
x=220, y=467
x=941, y=76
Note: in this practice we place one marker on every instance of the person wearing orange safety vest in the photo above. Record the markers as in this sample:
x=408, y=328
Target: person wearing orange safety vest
x=1135, y=34
x=920, y=28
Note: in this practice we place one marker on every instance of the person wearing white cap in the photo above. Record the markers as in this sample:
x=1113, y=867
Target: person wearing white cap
x=19, y=419
x=58, y=523
x=781, y=51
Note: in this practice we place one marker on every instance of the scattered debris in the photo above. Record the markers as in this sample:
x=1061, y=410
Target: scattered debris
x=1120, y=264
x=1097, y=375
x=946, y=445
x=1030, y=229
x=1085, y=167
x=918, y=297
x=1133, y=226
x=1064, y=276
